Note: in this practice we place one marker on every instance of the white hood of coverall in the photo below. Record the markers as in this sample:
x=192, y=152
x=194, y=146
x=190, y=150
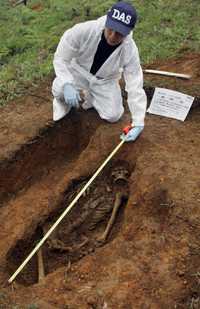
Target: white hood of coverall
x=79, y=44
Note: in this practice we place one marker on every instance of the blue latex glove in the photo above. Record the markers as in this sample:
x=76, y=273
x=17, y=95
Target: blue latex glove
x=71, y=95
x=132, y=134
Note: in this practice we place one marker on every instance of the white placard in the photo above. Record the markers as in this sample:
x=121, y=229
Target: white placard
x=170, y=103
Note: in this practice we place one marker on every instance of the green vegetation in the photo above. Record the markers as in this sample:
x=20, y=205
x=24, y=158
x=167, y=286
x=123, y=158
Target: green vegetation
x=32, y=306
x=29, y=35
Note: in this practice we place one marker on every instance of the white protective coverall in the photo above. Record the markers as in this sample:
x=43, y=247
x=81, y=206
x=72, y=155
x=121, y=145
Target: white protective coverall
x=72, y=62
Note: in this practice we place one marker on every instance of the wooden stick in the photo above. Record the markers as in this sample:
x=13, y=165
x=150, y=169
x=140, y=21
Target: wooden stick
x=65, y=212
x=186, y=76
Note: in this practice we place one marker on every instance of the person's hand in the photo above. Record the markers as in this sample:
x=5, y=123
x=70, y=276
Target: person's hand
x=71, y=95
x=132, y=133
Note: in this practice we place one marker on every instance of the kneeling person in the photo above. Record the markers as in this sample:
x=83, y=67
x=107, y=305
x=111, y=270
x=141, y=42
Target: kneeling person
x=91, y=57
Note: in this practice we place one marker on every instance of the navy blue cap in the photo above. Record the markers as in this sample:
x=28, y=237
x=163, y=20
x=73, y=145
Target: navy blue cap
x=121, y=18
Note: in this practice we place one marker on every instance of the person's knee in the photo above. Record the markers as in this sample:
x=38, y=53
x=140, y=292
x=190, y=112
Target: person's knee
x=57, y=89
x=114, y=116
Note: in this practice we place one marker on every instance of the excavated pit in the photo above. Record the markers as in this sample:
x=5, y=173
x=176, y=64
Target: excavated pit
x=31, y=174
x=78, y=233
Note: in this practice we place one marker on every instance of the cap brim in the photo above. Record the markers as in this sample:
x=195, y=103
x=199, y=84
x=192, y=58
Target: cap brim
x=117, y=26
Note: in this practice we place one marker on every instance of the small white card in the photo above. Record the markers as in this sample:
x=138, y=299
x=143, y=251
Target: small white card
x=170, y=103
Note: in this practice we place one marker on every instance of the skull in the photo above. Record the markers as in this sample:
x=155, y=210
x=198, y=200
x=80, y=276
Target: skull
x=120, y=174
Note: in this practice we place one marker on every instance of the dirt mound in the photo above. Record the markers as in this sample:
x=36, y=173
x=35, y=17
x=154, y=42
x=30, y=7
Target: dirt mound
x=150, y=258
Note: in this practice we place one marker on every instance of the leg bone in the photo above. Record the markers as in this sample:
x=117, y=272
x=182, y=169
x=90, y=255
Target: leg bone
x=41, y=273
x=118, y=201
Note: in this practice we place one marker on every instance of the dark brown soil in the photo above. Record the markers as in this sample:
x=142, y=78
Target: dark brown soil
x=152, y=256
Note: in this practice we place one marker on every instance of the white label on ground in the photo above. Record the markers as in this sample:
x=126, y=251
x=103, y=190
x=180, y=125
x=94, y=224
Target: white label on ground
x=170, y=103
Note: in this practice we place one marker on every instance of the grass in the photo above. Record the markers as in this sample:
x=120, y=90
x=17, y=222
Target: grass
x=29, y=35
x=32, y=306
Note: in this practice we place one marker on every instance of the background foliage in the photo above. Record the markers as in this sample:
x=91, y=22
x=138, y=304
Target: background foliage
x=29, y=35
